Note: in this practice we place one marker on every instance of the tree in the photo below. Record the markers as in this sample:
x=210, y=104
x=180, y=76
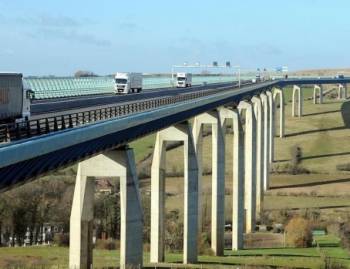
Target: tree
x=173, y=231
x=107, y=215
x=298, y=232
x=82, y=74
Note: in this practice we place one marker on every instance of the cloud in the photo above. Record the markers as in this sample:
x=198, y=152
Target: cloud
x=128, y=25
x=45, y=20
x=70, y=35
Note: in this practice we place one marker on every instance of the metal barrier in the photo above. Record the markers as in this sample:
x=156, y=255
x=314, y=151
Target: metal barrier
x=31, y=128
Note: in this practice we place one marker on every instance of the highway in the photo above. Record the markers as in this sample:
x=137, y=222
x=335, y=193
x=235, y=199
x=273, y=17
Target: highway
x=54, y=106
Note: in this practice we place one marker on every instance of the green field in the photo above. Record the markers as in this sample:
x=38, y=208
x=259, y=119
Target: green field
x=57, y=257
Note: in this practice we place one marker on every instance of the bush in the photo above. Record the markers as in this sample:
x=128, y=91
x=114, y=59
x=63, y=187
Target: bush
x=343, y=167
x=173, y=231
x=345, y=235
x=61, y=239
x=144, y=172
x=289, y=168
x=83, y=74
x=109, y=244
x=296, y=155
x=298, y=232
x=204, y=245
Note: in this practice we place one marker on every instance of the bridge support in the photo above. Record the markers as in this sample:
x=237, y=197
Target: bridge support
x=318, y=89
x=271, y=126
x=266, y=152
x=179, y=132
x=250, y=166
x=342, y=91
x=280, y=93
x=257, y=104
x=116, y=163
x=238, y=176
x=297, y=90
x=218, y=176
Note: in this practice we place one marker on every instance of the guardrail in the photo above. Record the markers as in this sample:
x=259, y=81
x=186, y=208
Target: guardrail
x=31, y=128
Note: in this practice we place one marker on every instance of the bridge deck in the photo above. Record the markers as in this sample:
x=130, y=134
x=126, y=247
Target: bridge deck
x=26, y=159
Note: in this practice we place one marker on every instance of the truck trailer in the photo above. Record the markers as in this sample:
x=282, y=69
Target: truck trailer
x=128, y=83
x=15, y=98
x=183, y=80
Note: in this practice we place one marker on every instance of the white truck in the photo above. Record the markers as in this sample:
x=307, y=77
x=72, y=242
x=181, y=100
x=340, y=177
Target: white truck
x=183, y=80
x=15, y=98
x=128, y=83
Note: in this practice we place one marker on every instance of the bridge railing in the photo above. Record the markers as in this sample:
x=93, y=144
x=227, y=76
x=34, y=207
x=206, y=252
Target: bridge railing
x=32, y=128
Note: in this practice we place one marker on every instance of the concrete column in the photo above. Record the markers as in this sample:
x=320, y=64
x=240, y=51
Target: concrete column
x=280, y=92
x=115, y=163
x=266, y=153
x=158, y=171
x=250, y=166
x=345, y=91
x=319, y=89
x=271, y=126
x=131, y=213
x=81, y=221
x=238, y=177
x=259, y=154
x=218, y=179
x=197, y=131
x=179, y=132
x=300, y=101
x=342, y=91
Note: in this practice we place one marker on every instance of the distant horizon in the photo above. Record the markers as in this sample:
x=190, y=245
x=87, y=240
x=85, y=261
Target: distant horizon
x=336, y=69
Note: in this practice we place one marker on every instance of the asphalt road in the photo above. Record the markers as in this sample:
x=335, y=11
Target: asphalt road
x=67, y=105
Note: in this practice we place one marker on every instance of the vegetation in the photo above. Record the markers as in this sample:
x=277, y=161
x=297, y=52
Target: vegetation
x=298, y=233
x=327, y=253
x=82, y=74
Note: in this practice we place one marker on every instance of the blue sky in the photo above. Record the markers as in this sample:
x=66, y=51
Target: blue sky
x=59, y=37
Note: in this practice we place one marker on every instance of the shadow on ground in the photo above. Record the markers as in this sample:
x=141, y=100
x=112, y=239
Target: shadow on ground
x=345, y=112
x=311, y=184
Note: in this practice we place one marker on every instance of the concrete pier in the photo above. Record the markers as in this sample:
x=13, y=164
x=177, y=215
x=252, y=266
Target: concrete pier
x=179, y=132
x=115, y=163
x=131, y=213
x=81, y=220
x=238, y=176
x=271, y=125
x=197, y=131
x=218, y=176
x=279, y=92
x=250, y=166
x=258, y=112
x=318, y=96
x=266, y=153
x=342, y=91
x=297, y=94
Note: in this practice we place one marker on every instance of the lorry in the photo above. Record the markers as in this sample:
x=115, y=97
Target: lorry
x=183, y=80
x=15, y=98
x=127, y=83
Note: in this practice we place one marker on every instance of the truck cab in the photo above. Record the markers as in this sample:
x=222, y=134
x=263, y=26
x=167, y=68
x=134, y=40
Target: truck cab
x=127, y=83
x=183, y=80
x=15, y=98
x=28, y=96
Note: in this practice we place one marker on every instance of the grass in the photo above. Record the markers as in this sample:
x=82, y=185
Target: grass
x=51, y=257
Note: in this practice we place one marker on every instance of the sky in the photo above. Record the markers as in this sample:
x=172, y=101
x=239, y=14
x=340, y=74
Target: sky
x=58, y=37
